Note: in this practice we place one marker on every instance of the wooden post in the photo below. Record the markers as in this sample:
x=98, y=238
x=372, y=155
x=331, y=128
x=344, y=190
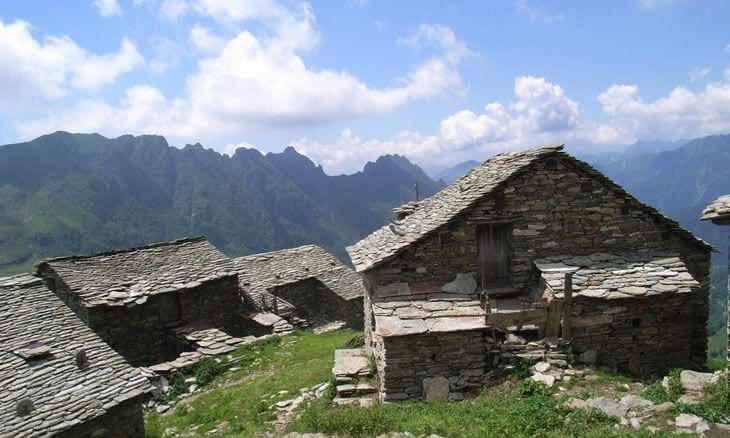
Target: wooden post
x=568, y=306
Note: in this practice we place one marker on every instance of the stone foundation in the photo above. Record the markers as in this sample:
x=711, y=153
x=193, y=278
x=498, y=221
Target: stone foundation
x=432, y=366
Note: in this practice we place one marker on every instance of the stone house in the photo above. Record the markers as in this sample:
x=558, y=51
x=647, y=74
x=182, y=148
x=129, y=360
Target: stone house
x=536, y=241
x=305, y=282
x=57, y=377
x=719, y=213
x=135, y=298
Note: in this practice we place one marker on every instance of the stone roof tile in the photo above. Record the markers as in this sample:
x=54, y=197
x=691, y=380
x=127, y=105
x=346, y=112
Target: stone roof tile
x=438, y=210
x=61, y=392
x=718, y=211
x=260, y=273
x=128, y=276
x=613, y=276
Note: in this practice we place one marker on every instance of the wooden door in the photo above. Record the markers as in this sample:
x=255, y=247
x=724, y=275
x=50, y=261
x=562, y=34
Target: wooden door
x=493, y=254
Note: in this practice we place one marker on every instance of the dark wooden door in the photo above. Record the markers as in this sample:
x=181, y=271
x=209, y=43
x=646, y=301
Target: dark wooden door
x=493, y=254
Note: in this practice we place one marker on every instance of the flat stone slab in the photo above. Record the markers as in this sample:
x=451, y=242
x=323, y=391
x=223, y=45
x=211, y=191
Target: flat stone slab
x=351, y=362
x=266, y=319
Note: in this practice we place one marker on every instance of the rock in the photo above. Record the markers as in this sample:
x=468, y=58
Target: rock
x=663, y=407
x=689, y=399
x=635, y=423
x=282, y=404
x=436, y=388
x=547, y=379
x=688, y=423
x=161, y=409
x=576, y=403
x=694, y=381
x=632, y=401
x=589, y=357
x=513, y=339
x=542, y=367
x=608, y=406
x=462, y=284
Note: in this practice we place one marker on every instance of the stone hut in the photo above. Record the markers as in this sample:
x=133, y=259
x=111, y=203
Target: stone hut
x=57, y=377
x=533, y=241
x=135, y=298
x=719, y=213
x=305, y=282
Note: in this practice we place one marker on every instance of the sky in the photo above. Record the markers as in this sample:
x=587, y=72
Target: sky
x=346, y=81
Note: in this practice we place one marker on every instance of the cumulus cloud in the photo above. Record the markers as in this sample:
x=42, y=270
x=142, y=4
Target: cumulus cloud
x=49, y=67
x=261, y=80
x=535, y=10
x=651, y=4
x=540, y=114
x=697, y=74
x=108, y=8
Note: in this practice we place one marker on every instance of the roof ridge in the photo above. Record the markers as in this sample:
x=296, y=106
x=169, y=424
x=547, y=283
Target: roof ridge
x=282, y=251
x=127, y=250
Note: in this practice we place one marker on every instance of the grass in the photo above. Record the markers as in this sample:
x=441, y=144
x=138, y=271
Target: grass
x=242, y=400
x=281, y=364
x=501, y=415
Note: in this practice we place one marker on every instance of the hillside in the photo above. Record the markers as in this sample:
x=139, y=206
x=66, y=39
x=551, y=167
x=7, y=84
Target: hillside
x=80, y=193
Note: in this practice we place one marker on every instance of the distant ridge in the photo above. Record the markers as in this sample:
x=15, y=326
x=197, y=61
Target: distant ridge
x=63, y=194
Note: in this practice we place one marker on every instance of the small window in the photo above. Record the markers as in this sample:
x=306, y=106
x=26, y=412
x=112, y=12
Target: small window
x=170, y=308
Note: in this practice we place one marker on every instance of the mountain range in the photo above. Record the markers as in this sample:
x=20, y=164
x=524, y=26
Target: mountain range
x=64, y=194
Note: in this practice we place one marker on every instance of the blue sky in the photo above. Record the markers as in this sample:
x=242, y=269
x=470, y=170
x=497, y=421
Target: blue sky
x=346, y=81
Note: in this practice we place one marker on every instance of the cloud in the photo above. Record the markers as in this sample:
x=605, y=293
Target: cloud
x=173, y=10
x=204, y=41
x=360, y=4
x=108, y=8
x=51, y=66
x=262, y=82
x=167, y=54
x=535, y=10
x=651, y=4
x=540, y=114
x=697, y=73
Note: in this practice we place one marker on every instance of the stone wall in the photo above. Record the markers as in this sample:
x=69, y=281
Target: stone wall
x=556, y=206
x=124, y=420
x=643, y=336
x=404, y=362
x=139, y=333
x=316, y=303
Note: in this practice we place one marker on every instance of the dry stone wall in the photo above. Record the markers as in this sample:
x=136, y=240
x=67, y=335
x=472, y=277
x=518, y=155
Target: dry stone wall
x=318, y=304
x=432, y=365
x=554, y=206
x=139, y=332
x=643, y=336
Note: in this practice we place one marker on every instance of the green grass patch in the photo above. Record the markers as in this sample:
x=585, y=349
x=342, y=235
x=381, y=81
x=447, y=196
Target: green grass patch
x=501, y=415
x=243, y=397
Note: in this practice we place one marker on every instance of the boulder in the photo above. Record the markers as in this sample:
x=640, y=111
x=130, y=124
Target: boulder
x=694, y=380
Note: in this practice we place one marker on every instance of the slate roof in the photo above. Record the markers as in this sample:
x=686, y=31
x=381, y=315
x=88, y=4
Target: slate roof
x=613, y=276
x=260, y=273
x=36, y=324
x=438, y=210
x=129, y=276
x=718, y=211
x=412, y=317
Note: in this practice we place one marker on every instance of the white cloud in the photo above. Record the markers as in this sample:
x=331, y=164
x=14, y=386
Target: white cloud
x=535, y=10
x=167, y=54
x=108, y=8
x=173, y=10
x=360, y=4
x=50, y=66
x=204, y=41
x=697, y=73
x=540, y=114
x=651, y=4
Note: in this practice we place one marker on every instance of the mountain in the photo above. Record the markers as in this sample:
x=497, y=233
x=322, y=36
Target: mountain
x=679, y=182
x=67, y=193
x=455, y=172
